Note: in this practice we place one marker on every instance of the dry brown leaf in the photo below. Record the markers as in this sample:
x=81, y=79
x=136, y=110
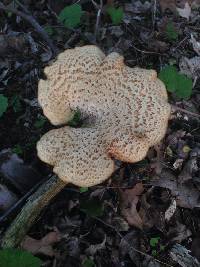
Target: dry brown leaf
x=190, y=67
x=178, y=233
x=186, y=194
x=168, y=4
x=42, y=246
x=129, y=200
x=185, y=12
x=183, y=7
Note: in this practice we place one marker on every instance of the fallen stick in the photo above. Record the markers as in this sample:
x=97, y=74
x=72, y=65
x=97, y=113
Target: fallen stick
x=33, y=22
x=182, y=110
x=29, y=213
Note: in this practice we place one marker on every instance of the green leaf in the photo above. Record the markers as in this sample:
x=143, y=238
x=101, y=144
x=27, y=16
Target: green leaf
x=169, y=76
x=75, y=121
x=18, y=258
x=184, y=89
x=70, y=16
x=16, y=103
x=171, y=32
x=162, y=248
x=186, y=149
x=40, y=123
x=92, y=208
x=116, y=14
x=169, y=151
x=154, y=252
x=88, y=263
x=17, y=149
x=49, y=30
x=3, y=104
x=175, y=82
x=83, y=189
x=154, y=241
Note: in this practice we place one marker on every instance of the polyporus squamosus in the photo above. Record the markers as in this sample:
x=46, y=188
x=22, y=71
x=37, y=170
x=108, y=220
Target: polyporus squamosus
x=126, y=110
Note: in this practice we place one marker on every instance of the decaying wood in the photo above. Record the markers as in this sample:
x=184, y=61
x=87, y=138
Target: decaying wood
x=29, y=213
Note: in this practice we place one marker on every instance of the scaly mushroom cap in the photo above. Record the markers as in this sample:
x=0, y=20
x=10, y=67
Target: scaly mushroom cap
x=126, y=110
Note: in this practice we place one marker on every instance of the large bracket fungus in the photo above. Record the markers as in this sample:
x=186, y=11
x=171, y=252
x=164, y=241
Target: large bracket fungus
x=127, y=112
x=126, y=109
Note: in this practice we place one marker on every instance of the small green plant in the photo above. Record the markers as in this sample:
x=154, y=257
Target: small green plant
x=49, y=30
x=17, y=149
x=3, y=104
x=83, y=189
x=76, y=120
x=93, y=207
x=18, y=258
x=116, y=14
x=171, y=32
x=154, y=241
x=31, y=144
x=16, y=103
x=71, y=15
x=39, y=123
x=176, y=82
x=88, y=263
x=156, y=246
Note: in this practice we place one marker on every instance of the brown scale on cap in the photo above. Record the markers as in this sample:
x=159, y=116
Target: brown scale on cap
x=127, y=110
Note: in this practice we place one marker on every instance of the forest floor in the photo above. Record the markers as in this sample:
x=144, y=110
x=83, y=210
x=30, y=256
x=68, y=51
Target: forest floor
x=141, y=215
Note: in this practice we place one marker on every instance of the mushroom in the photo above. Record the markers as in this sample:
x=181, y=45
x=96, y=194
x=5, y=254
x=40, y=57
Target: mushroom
x=126, y=109
x=126, y=112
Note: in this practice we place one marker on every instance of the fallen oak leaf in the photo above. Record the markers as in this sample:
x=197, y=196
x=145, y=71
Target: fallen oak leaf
x=129, y=200
x=42, y=246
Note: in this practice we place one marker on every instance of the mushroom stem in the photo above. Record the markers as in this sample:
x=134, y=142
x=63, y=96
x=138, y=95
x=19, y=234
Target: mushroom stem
x=29, y=213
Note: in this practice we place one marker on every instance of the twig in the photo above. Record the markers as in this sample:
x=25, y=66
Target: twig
x=154, y=14
x=180, y=43
x=100, y=8
x=29, y=213
x=33, y=22
x=175, y=109
x=146, y=52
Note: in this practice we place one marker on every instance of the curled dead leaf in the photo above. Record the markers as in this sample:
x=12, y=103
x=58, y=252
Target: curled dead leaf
x=186, y=194
x=129, y=200
x=185, y=12
x=42, y=246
